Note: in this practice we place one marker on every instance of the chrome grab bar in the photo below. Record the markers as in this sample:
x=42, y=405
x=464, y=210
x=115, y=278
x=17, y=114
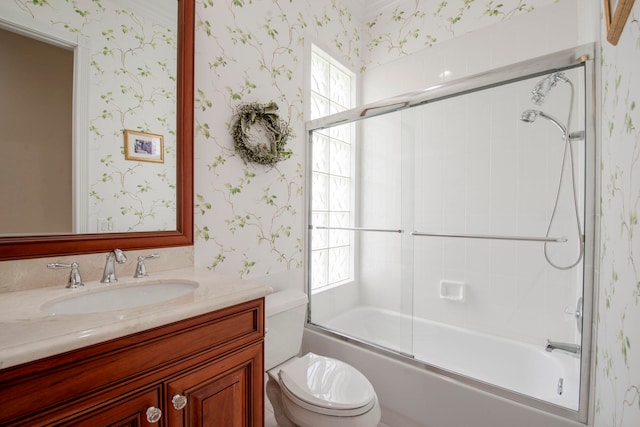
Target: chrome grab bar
x=492, y=237
x=379, y=230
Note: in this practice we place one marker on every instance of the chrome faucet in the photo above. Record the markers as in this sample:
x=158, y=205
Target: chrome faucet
x=109, y=274
x=75, y=281
x=567, y=347
x=141, y=269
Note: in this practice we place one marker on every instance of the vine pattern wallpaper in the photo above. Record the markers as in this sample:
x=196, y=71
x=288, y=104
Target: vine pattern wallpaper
x=249, y=219
x=617, y=400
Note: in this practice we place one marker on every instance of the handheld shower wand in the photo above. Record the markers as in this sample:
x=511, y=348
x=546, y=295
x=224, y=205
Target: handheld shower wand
x=530, y=116
x=538, y=96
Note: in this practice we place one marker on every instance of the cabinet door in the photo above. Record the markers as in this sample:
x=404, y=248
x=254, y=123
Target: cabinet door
x=227, y=392
x=129, y=411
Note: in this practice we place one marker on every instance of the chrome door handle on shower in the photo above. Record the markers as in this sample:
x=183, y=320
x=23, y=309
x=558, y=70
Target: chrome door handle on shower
x=577, y=314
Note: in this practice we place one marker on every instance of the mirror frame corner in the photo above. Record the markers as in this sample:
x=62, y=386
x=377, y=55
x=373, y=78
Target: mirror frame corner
x=22, y=247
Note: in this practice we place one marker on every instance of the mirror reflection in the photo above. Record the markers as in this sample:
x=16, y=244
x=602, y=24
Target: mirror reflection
x=83, y=76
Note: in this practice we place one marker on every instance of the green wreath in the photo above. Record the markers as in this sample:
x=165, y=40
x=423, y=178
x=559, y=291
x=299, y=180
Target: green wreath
x=268, y=146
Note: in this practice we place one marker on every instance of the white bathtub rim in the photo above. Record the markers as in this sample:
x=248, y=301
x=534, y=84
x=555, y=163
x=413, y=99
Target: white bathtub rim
x=486, y=389
x=570, y=373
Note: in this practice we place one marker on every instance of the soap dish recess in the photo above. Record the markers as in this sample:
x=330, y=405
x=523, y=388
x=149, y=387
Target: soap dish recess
x=453, y=291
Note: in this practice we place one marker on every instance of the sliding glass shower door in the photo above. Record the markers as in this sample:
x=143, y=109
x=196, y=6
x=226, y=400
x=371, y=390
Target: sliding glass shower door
x=360, y=258
x=463, y=228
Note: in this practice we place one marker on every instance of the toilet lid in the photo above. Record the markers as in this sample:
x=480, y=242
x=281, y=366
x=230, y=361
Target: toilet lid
x=327, y=383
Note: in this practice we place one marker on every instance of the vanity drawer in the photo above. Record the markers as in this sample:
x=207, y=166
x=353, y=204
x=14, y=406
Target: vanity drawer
x=115, y=367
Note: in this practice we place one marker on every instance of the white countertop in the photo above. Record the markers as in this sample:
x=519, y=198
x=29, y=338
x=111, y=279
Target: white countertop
x=27, y=333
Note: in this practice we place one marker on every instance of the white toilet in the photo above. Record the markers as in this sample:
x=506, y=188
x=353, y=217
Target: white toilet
x=310, y=390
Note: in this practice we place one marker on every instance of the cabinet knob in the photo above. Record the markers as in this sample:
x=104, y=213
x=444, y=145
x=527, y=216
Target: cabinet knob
x=154, y=414
x=179, y=401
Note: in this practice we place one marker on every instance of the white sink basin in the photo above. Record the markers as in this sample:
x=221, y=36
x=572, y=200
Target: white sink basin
x=120, y=297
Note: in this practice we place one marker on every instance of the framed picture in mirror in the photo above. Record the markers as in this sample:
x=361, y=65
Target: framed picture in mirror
x=143, y=146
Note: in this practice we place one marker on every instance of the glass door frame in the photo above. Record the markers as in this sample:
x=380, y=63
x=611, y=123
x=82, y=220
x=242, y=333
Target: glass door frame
x=586, y=56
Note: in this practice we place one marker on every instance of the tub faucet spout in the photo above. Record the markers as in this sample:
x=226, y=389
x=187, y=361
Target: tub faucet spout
x=574, y=349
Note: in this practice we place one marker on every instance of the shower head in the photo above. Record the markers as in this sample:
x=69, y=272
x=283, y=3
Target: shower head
x=541, y=89
x=530, y=116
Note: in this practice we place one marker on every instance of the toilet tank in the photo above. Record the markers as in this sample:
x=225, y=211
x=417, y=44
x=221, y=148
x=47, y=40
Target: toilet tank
x=285, y=317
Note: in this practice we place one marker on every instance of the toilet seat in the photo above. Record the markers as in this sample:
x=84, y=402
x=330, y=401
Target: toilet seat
x=326, y=386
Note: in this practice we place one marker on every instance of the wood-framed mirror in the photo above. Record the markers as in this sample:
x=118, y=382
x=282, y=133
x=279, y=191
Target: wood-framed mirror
x=44, y=245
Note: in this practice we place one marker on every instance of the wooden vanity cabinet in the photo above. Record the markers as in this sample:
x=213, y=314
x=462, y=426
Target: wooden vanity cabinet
x=203, y=371
x=129, y=411
x=215, y=394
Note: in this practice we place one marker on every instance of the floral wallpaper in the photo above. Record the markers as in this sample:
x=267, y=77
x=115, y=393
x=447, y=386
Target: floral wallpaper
x=128, y=90
x=617, y=399
x=414, y=25
x=249, y=218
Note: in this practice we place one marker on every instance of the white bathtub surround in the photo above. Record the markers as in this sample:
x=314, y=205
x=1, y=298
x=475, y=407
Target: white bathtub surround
x=27, y=333
x=471, y=168
x=452, y=291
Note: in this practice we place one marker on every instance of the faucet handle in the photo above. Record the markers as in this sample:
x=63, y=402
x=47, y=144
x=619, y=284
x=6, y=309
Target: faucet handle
x=141, y=269
x=75, y=281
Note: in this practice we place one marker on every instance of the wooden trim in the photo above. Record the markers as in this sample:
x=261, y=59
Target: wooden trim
x=616, y=21
x=12, y=248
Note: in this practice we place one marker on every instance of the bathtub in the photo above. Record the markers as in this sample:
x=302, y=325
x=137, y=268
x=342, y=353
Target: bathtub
x=456, y=376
